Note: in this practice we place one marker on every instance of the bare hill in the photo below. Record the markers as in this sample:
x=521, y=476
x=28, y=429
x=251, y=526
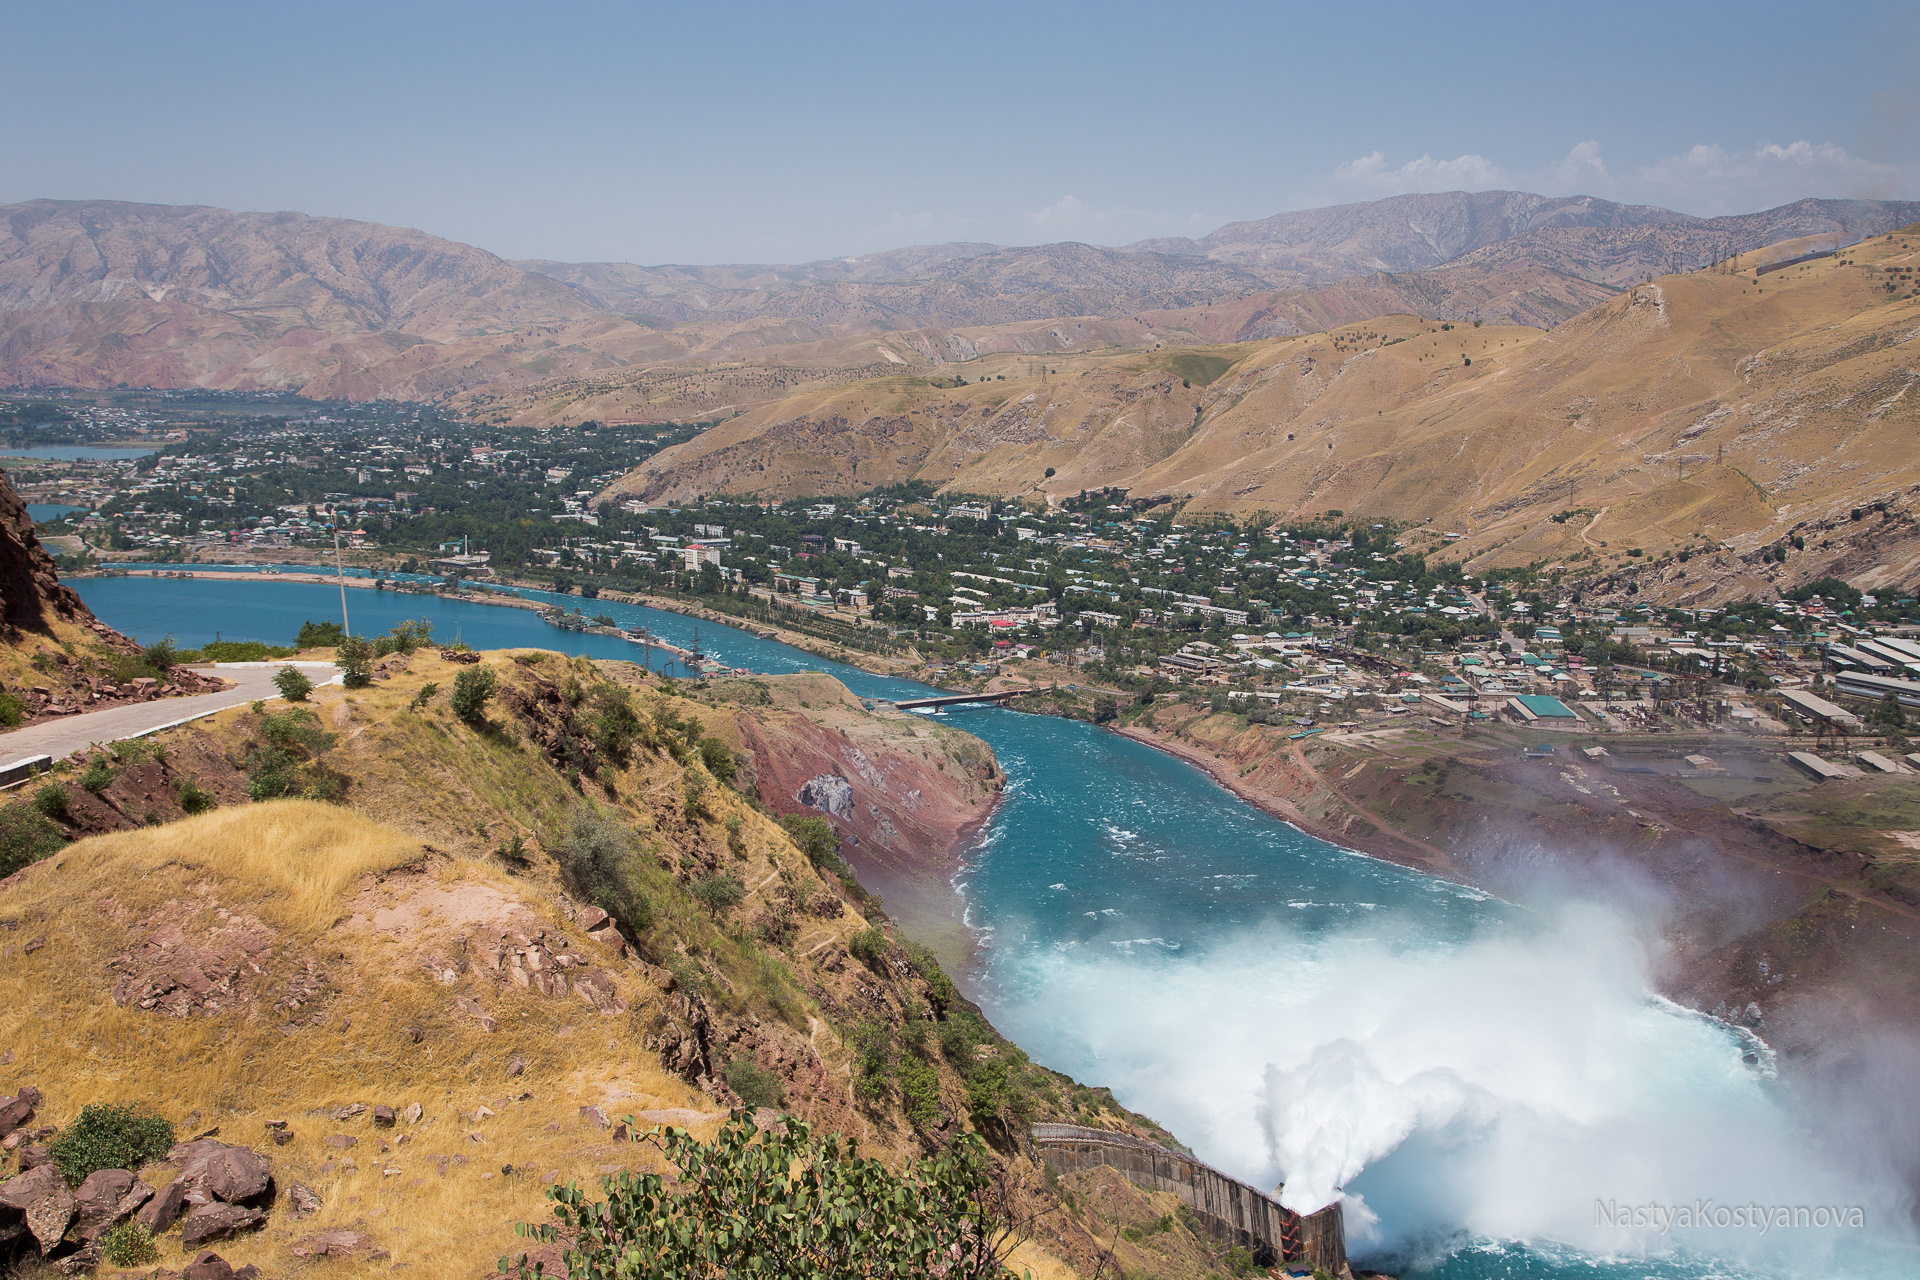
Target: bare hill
x=1717, y=407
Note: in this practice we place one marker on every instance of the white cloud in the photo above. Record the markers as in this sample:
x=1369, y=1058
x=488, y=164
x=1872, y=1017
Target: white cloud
x=1370, y=178
x=1071, y=218
x=1707, y=179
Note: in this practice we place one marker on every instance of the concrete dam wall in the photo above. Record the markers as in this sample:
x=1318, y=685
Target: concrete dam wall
x=1232, y=1211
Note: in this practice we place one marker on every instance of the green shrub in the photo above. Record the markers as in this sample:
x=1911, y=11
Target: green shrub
x=293, y=684
x=870, y=947
x=1238, y=1261
x=472, y=689
x=596, y=854
x=52, y=801
x=718, y=893
x=128, y=1245
x=756, y=1085
x=719, y=759
x=920, y=1090
x=108, y=1136
x=160, y=655
x=319, y=635
x=354, y=656
x=236, y=651
x=195, y=798
x=941, y=992
x=814, y=837
x=97, y=776
x=872, y=1043
x=782, y=1205
x=12, y=711
x=27, y=835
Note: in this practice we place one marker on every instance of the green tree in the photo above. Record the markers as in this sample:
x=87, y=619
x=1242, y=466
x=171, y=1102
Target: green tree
x=293, y=684
x=814, y=837
x=718, y=893
x=319, y=635
x=783, y=1206
x=472, y=689
x=354, y=656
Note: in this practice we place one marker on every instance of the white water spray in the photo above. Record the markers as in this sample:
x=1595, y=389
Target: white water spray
x=1503, y=1088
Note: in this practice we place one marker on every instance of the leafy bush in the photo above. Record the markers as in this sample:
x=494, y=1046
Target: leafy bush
x=27, y=835
x=128, y=1245
x=425, y=695
x=195, y=798
x=293, y=684
x=12, y=711
x=756, y=1085
x=52, y=801
x=405, y=637
x=872, y=1043
x=783, y=1207
x=870, y=947
x=613, y=724
x=472, y=689
x=941, y=992
x=236, y=651
x=319, y=635
x=719, y=759
x=596, y=854
x=97, y=776
x=920, y=1090
x=354, y=656
x=109, y=1136
x=287, y=760
x=718, y=893
x=814, y=837
x=160, y=655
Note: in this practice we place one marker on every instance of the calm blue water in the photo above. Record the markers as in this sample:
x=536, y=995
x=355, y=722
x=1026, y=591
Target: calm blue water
x=38, y=511
x=1473, y=1073
x=69, y=452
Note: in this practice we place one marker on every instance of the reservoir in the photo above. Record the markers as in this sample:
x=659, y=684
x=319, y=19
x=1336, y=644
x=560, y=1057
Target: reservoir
x=1487, y=1082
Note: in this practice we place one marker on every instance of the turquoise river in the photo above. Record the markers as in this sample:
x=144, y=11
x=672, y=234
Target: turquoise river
x=1491, y=1084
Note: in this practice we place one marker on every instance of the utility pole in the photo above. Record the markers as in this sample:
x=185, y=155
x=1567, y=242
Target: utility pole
x=340, y=575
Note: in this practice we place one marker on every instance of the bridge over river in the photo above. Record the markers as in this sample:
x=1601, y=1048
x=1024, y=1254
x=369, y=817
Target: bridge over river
x=1232, y=1211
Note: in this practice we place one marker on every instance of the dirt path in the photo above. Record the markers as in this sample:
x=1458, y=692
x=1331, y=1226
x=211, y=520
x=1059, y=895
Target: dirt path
x=1584, y=529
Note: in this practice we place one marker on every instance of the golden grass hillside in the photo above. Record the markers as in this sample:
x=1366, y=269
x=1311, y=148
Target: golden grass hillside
x=1719, y=407
x=424, y=940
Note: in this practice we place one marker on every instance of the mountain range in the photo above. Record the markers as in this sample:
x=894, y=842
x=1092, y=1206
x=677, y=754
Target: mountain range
x=100, y=293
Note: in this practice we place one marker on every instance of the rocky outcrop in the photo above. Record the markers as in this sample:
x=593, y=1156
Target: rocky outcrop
x=28, y=584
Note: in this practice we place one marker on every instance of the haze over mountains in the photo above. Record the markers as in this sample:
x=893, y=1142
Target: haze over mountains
x=98, y=293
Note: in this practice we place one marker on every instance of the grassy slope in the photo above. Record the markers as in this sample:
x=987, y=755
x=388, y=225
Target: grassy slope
x=1694, y=410
x=391, y=898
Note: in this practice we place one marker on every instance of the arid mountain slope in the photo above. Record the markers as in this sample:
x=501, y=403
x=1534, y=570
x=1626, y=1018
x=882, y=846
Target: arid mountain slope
x=1708, y=407
x=100, y=293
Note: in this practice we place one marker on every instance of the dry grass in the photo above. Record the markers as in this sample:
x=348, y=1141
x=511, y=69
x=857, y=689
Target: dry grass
x=296, y=858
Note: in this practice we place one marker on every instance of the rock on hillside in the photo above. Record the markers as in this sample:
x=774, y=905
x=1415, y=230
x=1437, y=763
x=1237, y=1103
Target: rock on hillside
x=28, y=583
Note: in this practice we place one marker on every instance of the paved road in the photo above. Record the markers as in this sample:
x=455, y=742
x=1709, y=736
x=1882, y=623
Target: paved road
x=61, y=738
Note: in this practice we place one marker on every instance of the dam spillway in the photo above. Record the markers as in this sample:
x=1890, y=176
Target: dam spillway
x=1232, y=1212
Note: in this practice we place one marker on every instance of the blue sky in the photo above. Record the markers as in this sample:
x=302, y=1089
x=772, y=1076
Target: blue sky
x=771, y=133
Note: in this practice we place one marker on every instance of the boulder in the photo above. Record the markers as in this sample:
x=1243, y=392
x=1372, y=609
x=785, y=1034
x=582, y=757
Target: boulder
x=412, y=1114
x=43, y=1196
x=383, y=1117
x=214, y=1170
x=591, y=918
x=208, y=1265
x=609, y=937
x=596, y=1116
x=34, y=1155
x=237, y=1175
x=106, y=1199
x=14, y=1112
x=216, y=1222
x=160, y=1213
x=303, y=1200
x=338, y=1243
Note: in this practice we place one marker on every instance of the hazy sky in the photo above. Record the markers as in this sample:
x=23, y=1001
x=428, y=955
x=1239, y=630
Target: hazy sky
x=785, y=132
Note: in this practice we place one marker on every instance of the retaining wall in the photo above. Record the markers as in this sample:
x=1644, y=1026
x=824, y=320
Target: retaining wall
x=1232, y=1211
